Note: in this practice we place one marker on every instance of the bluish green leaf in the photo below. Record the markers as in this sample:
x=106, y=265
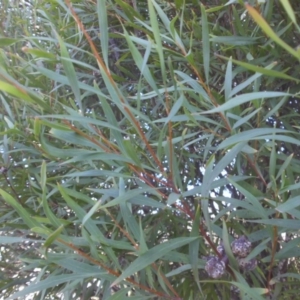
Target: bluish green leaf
x=241, y=99
x=152, y=255
x=205, y=43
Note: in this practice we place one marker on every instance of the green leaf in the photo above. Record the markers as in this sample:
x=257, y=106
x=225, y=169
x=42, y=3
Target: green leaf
x=265, y=71
x=38, y=53
x=228, y=80
x=54, y=235
x=205, y=43
x=43, y=175
x=172, y=198
x=241, y=99
x=194, y=248
x=140, y=62
x=285, y=165
x=225, y=238
x=152, y=255
x=12, y=240
x=130, y=12
x=20, y=93
x=251, y=134
x=289, y=10
x=53, y=281
x=4, y=41
x=70, y=71
x=289, y=205
x=273, y=160
x=91, y=212
x=143, y=248
x=251, y=199
x=251, y=293
x=289, y=224
x=175, y=108
x=234, y=40
x=289, y=249
x=48, y=212
x=245, y=119
x=211, y=174
x=22, y=211
x=103, y=28
x=131, y=151
x=156, y=32
x=269, y=31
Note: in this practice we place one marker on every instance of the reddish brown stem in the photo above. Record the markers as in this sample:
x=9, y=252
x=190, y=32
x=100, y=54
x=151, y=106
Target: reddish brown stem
x=113, y=272
x=122, y=100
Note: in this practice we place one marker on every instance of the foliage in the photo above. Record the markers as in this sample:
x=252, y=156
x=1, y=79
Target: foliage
x=150, y=149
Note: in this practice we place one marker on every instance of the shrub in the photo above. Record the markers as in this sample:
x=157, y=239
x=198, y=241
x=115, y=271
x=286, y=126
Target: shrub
x=150, y=149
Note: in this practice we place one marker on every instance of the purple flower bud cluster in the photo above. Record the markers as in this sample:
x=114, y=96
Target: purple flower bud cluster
x=241, y=247
x=216, y=265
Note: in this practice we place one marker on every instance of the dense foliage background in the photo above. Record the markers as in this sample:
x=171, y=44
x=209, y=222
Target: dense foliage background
x=149, y=149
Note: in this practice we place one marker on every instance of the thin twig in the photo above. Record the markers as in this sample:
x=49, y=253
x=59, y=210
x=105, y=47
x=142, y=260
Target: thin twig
x=122, y=100
x=111, y=271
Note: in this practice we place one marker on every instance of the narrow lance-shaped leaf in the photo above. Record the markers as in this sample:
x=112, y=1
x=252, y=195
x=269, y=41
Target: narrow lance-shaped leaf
x=52, y=281
x=284, y=166
x=205, y=43
x=205, y=188
x=241, y=99
x=273, y=160
x=54, y=235
x=227, y=247
x=49, y=213
x=43, y=175
x=156, y=33
x=289, y=224
x=4, y=41
x=141, y=62
x=152, y=255
x=194, y=247
x=20, y=93
x=228, y=80
x=175, y=108
x=249, y=81
x=266, y=71
x=69, y=70
x=103, y=28
x=289, y=10
x=269, y=31
x=22, y=211
x=289, y=205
